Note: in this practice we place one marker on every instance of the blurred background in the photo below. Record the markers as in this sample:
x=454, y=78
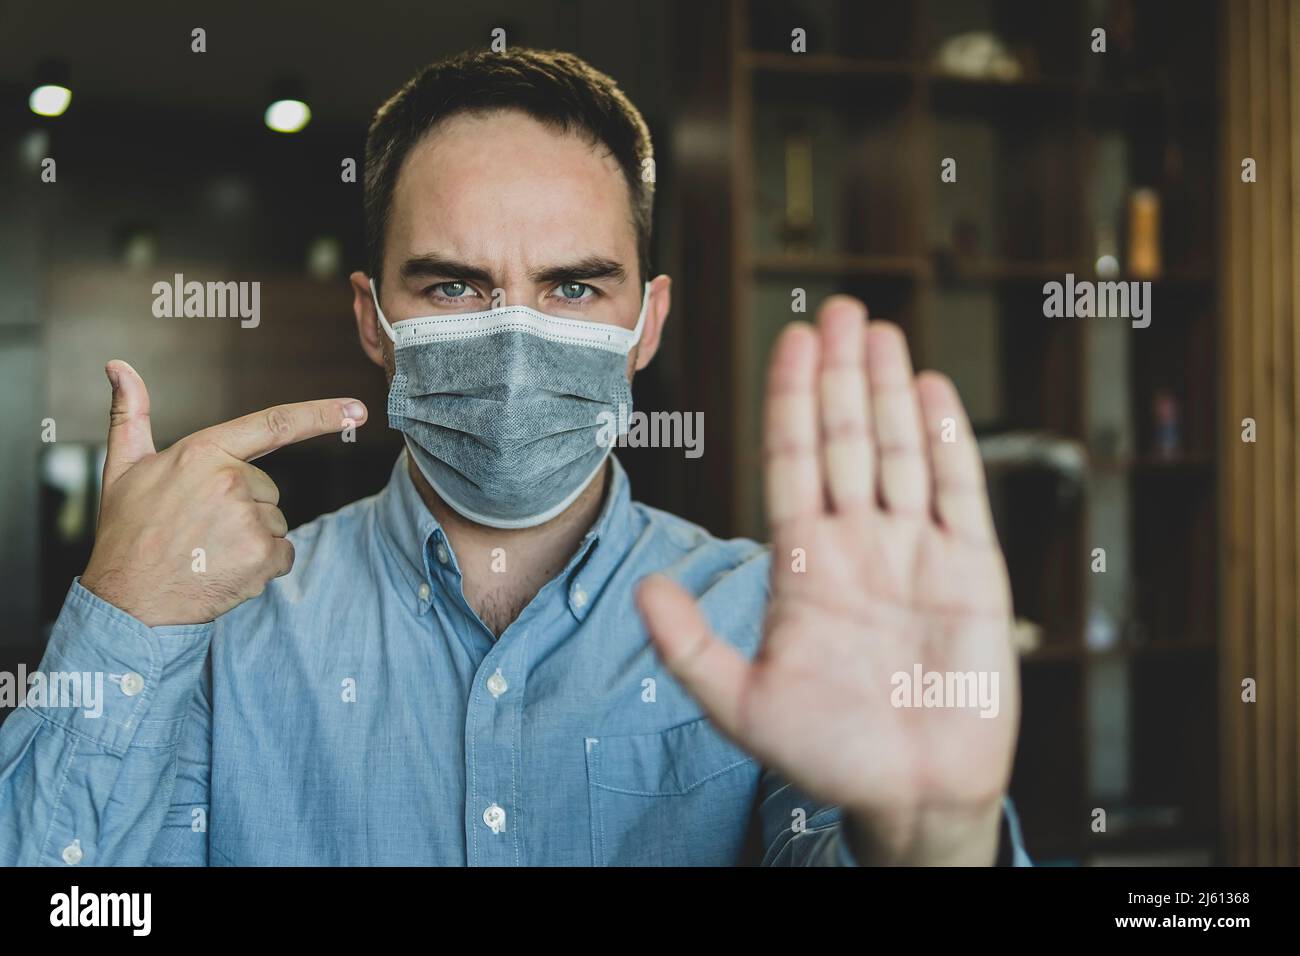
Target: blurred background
x=1149, y=528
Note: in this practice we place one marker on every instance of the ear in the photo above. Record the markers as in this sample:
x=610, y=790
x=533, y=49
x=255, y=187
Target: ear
x=373, y=340
x=656, y=314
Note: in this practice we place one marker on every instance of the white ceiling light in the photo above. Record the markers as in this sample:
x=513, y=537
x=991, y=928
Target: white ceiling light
x=287, y=116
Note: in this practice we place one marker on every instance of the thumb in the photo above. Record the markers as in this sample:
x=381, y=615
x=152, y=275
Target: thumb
x=712, y=670
x=130, y=436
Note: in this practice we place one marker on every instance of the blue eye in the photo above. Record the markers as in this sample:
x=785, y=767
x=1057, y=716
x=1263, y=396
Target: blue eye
x=573, y=291
x=452, y=290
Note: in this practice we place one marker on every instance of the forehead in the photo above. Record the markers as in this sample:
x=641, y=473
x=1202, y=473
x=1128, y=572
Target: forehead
x=505, y=188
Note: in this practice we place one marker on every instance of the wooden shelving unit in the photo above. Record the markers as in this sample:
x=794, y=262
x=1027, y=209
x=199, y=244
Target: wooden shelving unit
x=881, y=117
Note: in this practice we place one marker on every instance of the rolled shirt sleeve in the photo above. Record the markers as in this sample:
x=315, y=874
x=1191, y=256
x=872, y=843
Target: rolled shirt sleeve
x=88, y=780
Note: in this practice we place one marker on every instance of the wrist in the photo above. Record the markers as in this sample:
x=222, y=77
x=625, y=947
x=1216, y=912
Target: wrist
x=108, y=586
x=964, y=835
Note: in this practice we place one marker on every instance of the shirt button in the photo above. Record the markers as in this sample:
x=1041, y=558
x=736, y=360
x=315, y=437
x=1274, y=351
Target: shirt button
x=495, y=818
x=579, y=595
x=132, y=683
x=72, y=853
x=443, y=557
x=497, y=684
x=424, y=591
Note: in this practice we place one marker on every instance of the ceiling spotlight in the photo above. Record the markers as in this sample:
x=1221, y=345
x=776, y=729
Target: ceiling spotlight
x=288, y=112
x=52, y=93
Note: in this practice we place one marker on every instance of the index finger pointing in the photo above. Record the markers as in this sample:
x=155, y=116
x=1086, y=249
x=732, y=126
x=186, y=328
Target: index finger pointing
x=263, y=432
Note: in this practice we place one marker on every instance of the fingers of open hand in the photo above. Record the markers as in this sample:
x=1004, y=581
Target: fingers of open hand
x=846, y=426
x=961, y=501
x=904, y=485
x=712, y=670
x=849, y=425
x=791, y=452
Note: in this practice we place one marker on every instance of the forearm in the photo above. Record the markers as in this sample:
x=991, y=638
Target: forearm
x=88, y=765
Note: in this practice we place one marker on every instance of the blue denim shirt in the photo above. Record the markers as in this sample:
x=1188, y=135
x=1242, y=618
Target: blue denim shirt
x=358, y=712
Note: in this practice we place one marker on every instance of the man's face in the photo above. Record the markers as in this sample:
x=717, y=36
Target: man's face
x=502, y=202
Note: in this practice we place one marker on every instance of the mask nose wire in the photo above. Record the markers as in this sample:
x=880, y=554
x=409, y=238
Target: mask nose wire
x=636, y=332
x=388, y=329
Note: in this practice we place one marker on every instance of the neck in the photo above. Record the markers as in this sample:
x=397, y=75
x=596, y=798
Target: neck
x=504, y=568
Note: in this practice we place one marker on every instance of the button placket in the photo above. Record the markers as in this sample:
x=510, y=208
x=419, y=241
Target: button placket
x=493, y=785
x=131, y=684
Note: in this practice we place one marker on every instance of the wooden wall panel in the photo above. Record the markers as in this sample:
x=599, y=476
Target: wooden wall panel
x=1260, y=348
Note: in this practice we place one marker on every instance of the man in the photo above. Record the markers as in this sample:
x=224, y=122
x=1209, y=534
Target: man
x=453, y=672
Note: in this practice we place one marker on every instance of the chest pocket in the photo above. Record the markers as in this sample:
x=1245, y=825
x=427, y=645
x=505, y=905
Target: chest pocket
x=680, y=797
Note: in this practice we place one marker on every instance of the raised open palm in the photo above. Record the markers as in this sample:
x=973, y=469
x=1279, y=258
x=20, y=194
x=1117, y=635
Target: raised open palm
x=885, y=567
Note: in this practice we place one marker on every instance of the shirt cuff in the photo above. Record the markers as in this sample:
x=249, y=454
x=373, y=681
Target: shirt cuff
x=111, y=678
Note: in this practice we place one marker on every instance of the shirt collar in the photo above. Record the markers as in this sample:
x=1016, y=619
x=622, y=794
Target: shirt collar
x=416, y=540
x=406, y=525
x=603, y=547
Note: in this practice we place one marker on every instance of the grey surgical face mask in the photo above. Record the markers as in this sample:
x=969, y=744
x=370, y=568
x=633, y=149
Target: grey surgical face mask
x=504, y=411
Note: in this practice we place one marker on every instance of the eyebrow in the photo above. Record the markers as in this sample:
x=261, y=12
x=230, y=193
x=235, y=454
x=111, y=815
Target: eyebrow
x=590, y=267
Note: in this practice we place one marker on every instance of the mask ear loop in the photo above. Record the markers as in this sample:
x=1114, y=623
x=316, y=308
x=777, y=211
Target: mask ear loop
x=383, y=321
x=640, y=319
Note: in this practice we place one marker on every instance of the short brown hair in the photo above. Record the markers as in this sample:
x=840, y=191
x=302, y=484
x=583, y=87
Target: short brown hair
x=555, y=88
